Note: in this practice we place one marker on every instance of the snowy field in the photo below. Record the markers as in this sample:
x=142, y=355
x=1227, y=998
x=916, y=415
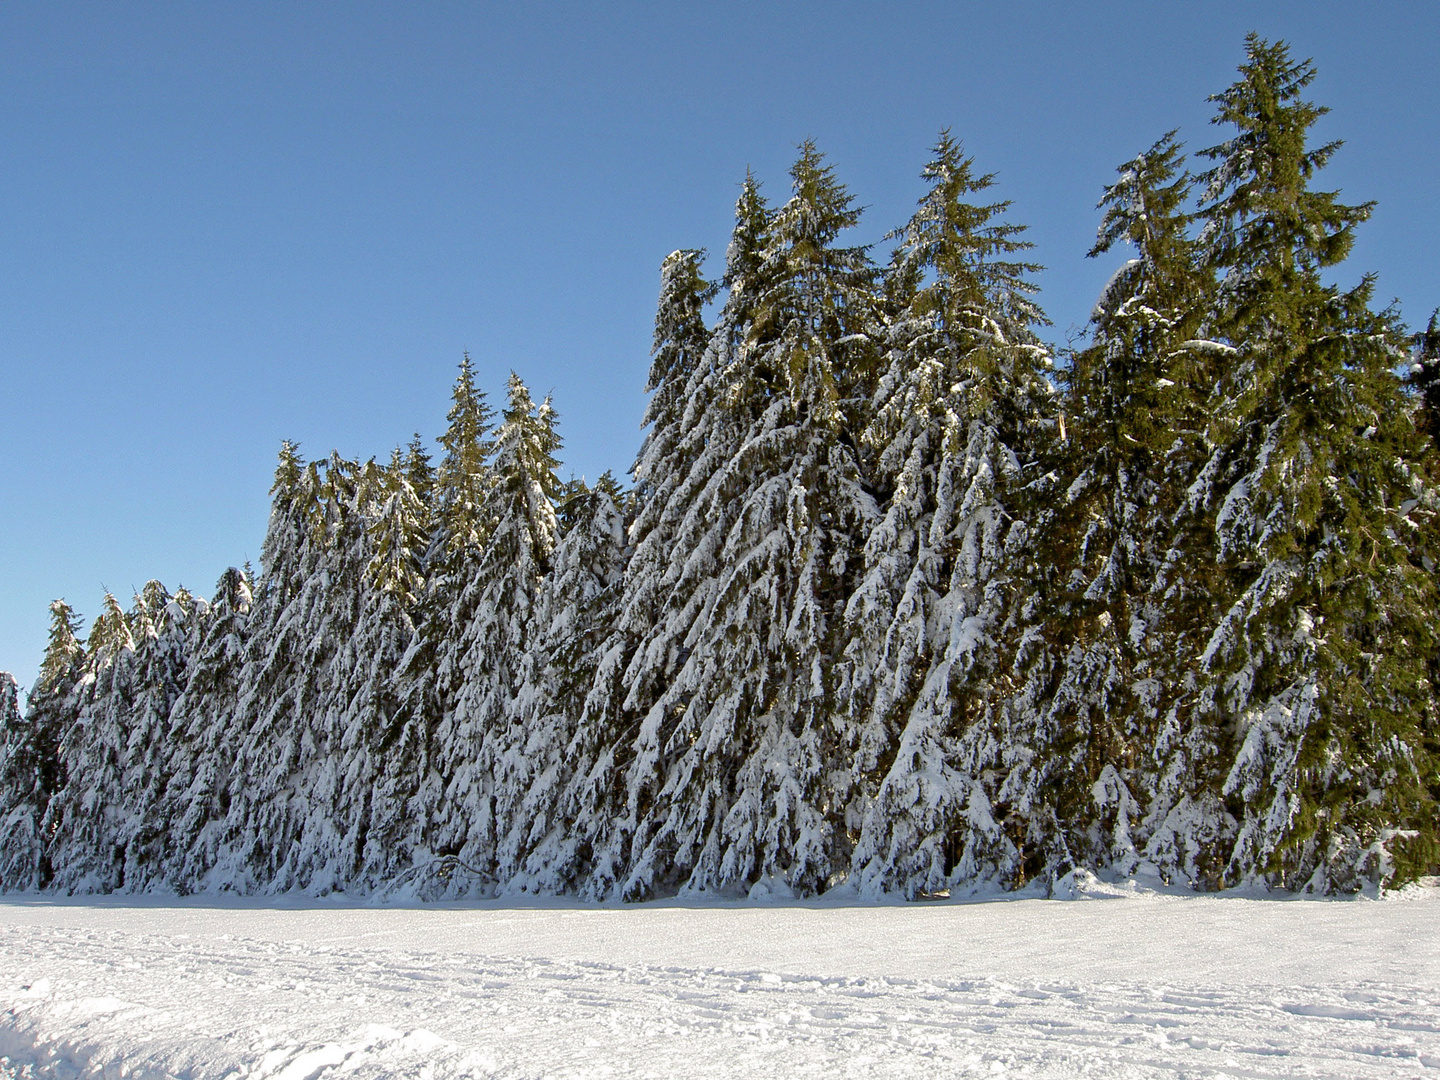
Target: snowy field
x=1134, y=986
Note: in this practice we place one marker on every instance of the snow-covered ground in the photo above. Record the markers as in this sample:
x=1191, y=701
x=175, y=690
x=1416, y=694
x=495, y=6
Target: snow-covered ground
x=1146, y=985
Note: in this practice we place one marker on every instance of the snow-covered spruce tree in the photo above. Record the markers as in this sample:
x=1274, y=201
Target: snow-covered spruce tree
x=399, y=536
x=953, y=430
x=316, y=709
x=33, y=771
x=14, y=769
x=161, y=626
x=343, y=767
x=464, y=479
x=429, y=676
x=679, y=386
x=203, y=739
x=662, y=594
x=10, y=719
x=1113, y=756
x=274, y=688
x=400, y=533
x=734, y=757
x=636, y=655
x=1323, y=626
x=479, y=743
x=569, y=738
x=88, y=813
x=12, y=741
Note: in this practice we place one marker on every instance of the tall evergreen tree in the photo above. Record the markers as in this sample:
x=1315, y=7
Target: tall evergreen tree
x=276, y=681
x=204, y=739
x=479, y=745
x=400, y=535
x=87, y=813
x=24, y=789
x=1317, y=659
x=431, y=675
x=732, y=756
x=1102, y=678
x=63, y=651
x=678, y=371
x=662, y=594
x=952, y=431
x=161, y=625
x=316, y=711
x=564, y=815
x=464, y=478
x=33, y=768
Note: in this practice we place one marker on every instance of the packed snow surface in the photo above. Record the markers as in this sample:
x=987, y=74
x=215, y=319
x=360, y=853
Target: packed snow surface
x=1141, y=985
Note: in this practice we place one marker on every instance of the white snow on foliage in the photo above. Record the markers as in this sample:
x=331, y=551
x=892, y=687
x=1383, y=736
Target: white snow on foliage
x=1140, y=984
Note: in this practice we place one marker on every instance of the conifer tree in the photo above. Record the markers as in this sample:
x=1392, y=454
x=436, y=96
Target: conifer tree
x=33, y=768
x=12, y=740
x=204, y=739
x=86, y=814
x=464, y=478
x=27, y=768
x=160, y=624
x=1323, y=629
x=1102, y=676
x=360, y=787
x=678, y=371
x=274, y=684
x=10, y=719
x=732, y=755
x=661, y=593
x=317, y=711
x=399, y=535
x=479, y=746
x=951, y=433
x=63, y=651
x=684, y=448
x=418, y=470
x=430, y=676
x=18, y=766
x=565, y=814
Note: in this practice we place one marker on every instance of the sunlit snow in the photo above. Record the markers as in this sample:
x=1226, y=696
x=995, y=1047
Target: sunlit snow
x=1117, y=985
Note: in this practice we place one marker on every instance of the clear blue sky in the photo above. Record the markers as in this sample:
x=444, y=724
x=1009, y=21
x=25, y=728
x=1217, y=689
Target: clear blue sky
x=225, y=224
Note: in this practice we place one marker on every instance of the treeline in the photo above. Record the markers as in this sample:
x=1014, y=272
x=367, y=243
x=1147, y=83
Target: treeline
x=897, y=600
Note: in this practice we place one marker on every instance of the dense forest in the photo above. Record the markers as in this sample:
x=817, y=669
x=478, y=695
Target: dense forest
x=902, y=599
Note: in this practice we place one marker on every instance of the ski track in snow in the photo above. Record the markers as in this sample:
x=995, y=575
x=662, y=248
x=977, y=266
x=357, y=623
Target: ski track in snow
x=1176, y=988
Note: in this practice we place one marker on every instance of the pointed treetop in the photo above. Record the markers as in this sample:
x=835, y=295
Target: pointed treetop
x=232, y=591
x=813, y=297
x=961, y=243
x=1146, y=199
x=418, y=469
x=1145, y=208
x=147, y=613
x=63, y=649
x=611, y=487
x=525, y=467
x=111, y=631
x=287, y=471
x=749, y=238
x=469, y=415
x=680, y=334
x=819, y=210
x=1256, y=198
x=464, y=476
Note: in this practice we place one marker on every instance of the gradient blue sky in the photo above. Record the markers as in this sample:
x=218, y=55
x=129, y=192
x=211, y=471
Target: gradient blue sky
x=224, y=224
